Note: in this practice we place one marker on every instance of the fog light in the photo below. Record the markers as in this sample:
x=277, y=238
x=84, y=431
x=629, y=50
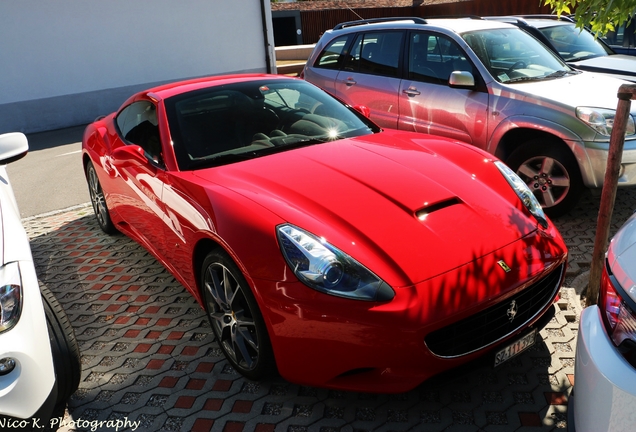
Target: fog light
x=7, y=364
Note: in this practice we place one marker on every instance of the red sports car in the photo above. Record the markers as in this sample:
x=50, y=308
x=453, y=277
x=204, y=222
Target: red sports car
x=320, y=246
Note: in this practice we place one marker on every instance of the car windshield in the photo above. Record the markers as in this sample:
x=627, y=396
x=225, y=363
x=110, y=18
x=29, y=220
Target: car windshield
x=512, y=55
x=574, y=44
x=234, y=122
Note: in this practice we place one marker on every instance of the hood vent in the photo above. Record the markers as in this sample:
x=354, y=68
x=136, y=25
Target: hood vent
x=422, y=213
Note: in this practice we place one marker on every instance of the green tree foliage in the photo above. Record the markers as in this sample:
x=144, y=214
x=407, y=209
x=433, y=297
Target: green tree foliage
x=600, y=16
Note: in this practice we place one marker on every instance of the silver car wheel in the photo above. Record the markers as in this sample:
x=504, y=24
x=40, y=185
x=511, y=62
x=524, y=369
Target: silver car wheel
x=547, y=178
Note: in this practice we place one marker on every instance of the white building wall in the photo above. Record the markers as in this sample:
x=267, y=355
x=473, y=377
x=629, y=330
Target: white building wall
x=64, y=62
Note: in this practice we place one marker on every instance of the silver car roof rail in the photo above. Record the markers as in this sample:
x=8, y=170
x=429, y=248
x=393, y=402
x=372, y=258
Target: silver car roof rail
x=522, y=19
x=416, y=20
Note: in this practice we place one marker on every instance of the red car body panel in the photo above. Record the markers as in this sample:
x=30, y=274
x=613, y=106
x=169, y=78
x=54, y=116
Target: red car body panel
x=367, y=196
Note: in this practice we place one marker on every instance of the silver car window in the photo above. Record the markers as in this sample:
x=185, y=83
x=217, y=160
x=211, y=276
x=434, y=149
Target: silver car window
x=512, y=55
x=432, y=58
x=376, y=53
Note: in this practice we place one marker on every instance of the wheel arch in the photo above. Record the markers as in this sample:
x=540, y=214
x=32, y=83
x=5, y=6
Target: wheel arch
x=200, y=251
x=205, y=246
x=516, y=131
x=515, y=138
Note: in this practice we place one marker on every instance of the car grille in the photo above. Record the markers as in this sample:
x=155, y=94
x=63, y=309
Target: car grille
x=493, y=324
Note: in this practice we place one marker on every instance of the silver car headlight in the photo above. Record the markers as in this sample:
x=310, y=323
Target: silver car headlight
x=602, y=120
x=524, y=193
x=327, y=269
x=10, y=296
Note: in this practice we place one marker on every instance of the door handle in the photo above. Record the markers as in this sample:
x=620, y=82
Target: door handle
x=411, y=91
x=350, y=81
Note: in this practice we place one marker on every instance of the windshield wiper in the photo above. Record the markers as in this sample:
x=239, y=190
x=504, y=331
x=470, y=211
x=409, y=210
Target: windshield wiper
x=525, y=78
x=560, y=73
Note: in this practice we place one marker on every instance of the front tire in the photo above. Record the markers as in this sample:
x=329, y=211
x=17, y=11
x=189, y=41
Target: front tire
x=551, y=172
x=98, y=201
x=235, y=318
x=64, y=348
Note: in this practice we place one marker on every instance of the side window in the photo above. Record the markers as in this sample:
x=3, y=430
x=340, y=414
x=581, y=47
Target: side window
x=137, y=124
x=333, y=55
x=432, y=58
x=376, y=53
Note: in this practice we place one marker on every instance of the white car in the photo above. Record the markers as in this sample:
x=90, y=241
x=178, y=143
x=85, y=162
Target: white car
x=39, y=356
x=604, y=397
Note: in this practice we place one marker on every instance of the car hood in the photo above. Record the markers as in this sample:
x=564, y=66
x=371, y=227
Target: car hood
x=14, y=244
x=574, y=90
x=622, y=66
x=364, y=197
x=622, y=256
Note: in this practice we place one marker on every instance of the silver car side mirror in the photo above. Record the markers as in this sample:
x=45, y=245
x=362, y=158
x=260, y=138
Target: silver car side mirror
x=461, y=79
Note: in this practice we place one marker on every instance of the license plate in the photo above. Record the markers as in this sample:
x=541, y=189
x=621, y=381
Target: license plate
x=515, y=348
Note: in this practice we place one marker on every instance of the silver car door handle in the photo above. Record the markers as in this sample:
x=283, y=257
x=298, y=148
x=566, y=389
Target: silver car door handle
x=411, y=91
x=350, y=81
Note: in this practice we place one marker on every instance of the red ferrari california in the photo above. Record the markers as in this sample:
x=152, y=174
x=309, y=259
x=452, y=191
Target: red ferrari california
x=320, y=246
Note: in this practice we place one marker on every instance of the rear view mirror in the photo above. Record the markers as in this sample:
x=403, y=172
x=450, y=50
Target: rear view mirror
x=13, y=146
x=129, y=155
x=461, y=79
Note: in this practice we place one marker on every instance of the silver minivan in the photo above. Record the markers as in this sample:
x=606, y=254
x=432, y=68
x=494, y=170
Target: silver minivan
x=483, y=82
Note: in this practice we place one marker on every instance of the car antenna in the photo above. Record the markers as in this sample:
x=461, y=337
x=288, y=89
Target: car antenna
x=354, y=12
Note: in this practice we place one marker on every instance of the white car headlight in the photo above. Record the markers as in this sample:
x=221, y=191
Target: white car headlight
x=602, y=120
x=10, y=296
x=327, y=269
x=524, y=193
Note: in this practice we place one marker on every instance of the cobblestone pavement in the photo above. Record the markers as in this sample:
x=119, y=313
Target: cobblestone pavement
x=149, y=357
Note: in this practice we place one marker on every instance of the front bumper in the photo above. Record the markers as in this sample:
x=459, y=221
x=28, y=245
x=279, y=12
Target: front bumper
x=605, y=384
x=593, y=172
x=326, y=341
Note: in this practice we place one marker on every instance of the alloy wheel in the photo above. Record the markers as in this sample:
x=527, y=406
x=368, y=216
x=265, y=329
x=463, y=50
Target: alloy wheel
x=547, y=178
x=231, y=317
x=97, y=198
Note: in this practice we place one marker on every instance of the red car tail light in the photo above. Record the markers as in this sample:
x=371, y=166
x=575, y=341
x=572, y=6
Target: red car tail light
x=618, y=316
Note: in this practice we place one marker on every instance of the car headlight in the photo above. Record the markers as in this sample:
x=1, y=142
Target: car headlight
x=524, y=193
x=327, y=269
x=10, y=296
x=602, y=120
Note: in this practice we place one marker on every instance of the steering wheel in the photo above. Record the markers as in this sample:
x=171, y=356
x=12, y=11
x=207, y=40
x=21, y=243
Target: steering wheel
x=517, y=65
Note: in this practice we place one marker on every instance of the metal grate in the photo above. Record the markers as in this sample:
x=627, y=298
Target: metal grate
x=493, y=324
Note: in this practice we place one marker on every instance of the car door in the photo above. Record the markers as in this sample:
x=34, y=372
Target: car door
x=428, y=103
x=325, y=68
x=370, y=75
x=140, y=180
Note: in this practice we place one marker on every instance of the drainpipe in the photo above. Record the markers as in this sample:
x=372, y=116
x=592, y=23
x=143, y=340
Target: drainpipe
x=265, y=12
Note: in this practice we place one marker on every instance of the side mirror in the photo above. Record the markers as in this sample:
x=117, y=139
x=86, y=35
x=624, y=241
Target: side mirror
x=129, y=155
x=461, y=79
x=13, y=146
x=362, y=109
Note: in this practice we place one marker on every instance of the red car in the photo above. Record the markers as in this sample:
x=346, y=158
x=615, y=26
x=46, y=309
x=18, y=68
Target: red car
x=320, y=246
